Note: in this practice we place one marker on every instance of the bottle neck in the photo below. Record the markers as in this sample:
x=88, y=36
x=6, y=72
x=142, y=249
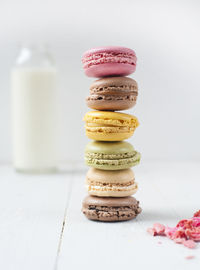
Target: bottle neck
x=35, y=56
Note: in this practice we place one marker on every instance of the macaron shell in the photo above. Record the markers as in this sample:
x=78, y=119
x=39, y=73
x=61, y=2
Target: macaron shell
x=116, y=83
x=109, y=147
x=110, y=209
x=110, y=69
x=111, y=137
x=111, y=177
x=109, y=202
x=109, y=49
x=111, y=118
x=111, y=105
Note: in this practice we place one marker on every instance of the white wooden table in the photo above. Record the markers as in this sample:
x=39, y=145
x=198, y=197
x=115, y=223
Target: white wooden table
x=42, y=228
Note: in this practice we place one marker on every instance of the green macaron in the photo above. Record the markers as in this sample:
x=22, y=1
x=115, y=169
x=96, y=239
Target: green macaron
x=111, y=155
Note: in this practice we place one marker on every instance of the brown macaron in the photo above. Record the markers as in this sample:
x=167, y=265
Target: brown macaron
x=113, y=94
x=110, y=209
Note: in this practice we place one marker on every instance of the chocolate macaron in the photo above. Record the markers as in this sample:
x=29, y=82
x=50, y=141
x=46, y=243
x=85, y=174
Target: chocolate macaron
x=110, y=209
x=113, y=94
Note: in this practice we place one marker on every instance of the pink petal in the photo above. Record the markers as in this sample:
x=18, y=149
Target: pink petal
x=193, y=234
x=189, y=244
x=182, y=223
x=159, y=228
x=169, y=232
x=196, y=221
x=197, y=214
x=189, y=257
x=179, y=240
x=152, y=231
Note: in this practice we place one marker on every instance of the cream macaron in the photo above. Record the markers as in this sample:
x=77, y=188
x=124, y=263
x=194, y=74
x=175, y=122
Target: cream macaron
x=103, y=183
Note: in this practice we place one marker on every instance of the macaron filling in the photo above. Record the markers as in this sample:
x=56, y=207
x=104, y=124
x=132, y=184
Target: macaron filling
x=91, y=120
x=108, y=57
x=111, y=215
x=110, y=97
x=98, y=159
x=98, y=186
x=90, y=127
x=106, y=125
x=115, y=89
x=110, y=119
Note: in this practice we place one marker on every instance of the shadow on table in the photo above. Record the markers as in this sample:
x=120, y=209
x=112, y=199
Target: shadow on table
x=159, y=216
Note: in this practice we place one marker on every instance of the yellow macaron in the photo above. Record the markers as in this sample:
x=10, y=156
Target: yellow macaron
x=109, y=126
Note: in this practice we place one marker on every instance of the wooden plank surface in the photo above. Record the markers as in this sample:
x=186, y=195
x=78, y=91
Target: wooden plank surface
x=167, y=192
x=31, y=217
x=42, y=227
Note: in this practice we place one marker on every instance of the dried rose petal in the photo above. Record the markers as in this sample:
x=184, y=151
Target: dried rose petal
x=189, y=257
x=186, y=232
x=180, y=233
x=197, y=214
x=169, y=232
x=159, y=228
x=193, y=234
x=179, y=240
x=152, y=231
x=189, y=244
x=182, y=223
x=189, y=223
x=196, y=221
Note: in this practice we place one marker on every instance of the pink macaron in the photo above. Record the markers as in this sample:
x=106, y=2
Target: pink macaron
x=109, y=61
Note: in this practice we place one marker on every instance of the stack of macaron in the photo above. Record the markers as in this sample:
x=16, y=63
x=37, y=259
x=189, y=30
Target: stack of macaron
x=110, y=182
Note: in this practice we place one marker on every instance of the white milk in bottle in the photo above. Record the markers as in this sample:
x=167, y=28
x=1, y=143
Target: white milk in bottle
x=34, y=111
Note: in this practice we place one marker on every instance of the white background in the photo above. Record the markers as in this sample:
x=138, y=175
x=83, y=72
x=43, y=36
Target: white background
x=165, y=36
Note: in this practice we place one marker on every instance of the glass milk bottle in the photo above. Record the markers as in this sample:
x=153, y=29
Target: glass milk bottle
x=34, y=109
